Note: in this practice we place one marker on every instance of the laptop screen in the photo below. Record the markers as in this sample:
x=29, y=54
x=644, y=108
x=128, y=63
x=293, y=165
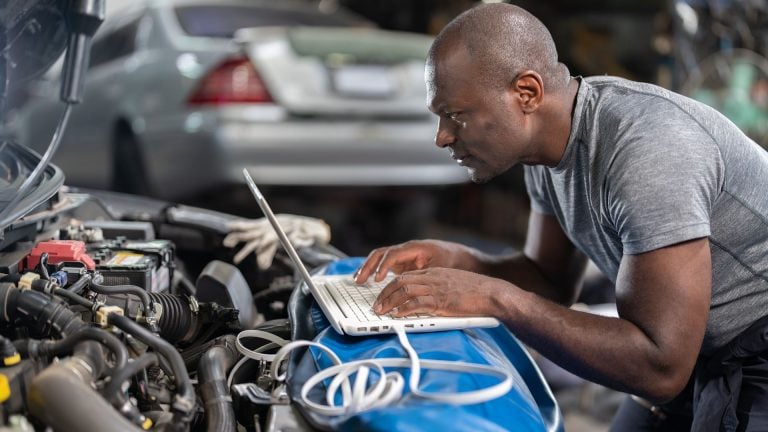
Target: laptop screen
x=262, y=202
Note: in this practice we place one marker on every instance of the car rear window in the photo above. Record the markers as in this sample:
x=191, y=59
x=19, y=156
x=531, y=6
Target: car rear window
x=223, y=21
x=363, y=45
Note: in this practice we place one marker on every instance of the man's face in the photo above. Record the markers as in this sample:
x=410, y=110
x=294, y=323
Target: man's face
x=478, y=124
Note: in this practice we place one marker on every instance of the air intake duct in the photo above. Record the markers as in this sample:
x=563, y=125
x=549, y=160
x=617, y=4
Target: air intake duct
x=177, y=322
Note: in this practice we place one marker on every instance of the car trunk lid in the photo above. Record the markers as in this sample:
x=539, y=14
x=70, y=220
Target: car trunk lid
x=326, y=71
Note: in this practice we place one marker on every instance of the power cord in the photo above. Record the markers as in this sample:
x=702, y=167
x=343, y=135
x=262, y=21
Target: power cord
x=358, y=396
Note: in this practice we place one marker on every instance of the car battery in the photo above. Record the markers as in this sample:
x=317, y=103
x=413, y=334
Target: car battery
x=146, y=264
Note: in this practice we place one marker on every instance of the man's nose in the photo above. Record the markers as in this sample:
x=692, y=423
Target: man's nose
x=444, y=136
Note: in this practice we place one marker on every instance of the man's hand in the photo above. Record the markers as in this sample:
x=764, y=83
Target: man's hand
x=440, y=292
x=415, y=255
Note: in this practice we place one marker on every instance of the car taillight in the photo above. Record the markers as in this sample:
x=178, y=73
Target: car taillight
x=233, y=81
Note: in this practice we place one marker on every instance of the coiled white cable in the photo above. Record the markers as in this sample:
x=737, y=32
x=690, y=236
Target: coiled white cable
x=358, y=396
x=258, y=353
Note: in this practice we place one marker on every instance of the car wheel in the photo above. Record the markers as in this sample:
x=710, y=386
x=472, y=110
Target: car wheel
x=128, y=172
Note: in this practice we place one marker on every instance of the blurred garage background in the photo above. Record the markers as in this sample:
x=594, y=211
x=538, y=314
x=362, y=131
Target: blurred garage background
x=324, y=102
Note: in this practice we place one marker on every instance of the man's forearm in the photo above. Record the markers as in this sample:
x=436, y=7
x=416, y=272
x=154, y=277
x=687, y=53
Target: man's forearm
x=610, y=351
x=521, y=271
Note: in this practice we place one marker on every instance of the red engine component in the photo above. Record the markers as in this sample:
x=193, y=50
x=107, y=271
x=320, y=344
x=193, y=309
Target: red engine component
x=60, y=251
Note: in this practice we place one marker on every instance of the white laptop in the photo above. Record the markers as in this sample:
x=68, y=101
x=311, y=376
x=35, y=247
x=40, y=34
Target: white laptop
x=347, y=305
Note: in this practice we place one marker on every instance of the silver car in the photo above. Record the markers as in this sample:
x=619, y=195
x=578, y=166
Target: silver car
x=178, y=101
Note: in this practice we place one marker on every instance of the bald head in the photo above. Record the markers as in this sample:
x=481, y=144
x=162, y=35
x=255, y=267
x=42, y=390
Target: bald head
x=502, y=41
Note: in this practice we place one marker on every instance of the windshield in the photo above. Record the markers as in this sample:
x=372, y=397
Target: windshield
x=223, y=21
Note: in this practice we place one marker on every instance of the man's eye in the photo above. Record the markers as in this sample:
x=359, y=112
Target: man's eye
x=452, y=115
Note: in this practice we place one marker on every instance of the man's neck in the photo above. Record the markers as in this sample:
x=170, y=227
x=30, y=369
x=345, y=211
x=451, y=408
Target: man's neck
x=559, y=126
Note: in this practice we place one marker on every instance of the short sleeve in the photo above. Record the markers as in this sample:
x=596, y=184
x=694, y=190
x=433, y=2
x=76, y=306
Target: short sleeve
x=535, y=185
x=660, y=189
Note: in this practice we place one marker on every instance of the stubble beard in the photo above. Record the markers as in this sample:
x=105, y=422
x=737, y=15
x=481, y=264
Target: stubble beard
x=477, y=178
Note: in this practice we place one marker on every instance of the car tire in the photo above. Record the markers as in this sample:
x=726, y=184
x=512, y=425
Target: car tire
x=128, y=172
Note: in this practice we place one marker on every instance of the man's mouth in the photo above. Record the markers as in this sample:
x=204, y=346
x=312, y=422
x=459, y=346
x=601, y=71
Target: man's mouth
x=462, y=160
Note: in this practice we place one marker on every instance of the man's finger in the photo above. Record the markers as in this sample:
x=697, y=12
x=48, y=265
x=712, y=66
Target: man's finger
x=369, y=266
x=396, y=258
x=416, y=305
x=395, y=294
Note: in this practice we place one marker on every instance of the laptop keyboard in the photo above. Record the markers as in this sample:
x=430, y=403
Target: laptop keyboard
x=357, y=300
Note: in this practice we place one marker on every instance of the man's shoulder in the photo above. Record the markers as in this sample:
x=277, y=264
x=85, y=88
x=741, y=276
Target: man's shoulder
x=646, y=107
x=612, y=84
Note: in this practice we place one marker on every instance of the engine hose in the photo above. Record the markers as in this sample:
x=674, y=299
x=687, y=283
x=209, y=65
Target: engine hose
x=64, y=346
x=74, y=298
x=81, y=283
x=137, y=291
x=212, y=373
x=113, y=391
x=50, y=317
x=8, y=351
x=61, y=396
x=11, y=278
x=177, y=321
x=44, y=315
x=132, y=368
x=184, y=403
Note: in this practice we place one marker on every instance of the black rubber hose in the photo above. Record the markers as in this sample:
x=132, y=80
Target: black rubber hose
x=212, y=373
x=124, y=289
x=50, y=397
x=146, y=300
x=11, y=278
x=61, y=396
x=113, y=391
x=130, y=369
x=184, y=404
x=175, y=322
x=7, y=348
x=176, y=319
x=91, y=352
x=44, y=315
x=74, y=298
x=78, y=285
x=66, y=345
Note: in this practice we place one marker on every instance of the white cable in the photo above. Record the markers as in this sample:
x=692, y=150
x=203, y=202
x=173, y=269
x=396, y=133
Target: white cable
x=257, y=354
x=358, y=396
x=242, y=361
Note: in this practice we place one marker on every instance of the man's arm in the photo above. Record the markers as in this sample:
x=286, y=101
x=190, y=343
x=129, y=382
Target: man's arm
x=663, y=301
x=550, y=265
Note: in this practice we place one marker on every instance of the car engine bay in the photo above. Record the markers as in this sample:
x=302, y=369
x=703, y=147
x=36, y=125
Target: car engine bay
x=128, y=321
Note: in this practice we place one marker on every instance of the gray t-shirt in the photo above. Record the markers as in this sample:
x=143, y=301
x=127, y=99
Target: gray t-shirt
x=646, y=168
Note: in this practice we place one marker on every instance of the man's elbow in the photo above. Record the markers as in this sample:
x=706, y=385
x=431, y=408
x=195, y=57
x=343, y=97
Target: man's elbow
x=566, y=294
x=663, y=387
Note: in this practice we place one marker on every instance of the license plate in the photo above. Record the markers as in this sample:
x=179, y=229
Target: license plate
x=364, y=81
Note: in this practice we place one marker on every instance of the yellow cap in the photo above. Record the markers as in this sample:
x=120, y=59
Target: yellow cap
x=147, y=424
x=12, y=360
x=5, y=388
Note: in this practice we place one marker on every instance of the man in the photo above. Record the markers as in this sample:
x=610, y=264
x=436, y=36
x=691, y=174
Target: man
x=664, y=194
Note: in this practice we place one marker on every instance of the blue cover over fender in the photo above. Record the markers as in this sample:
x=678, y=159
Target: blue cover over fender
x=528, y=406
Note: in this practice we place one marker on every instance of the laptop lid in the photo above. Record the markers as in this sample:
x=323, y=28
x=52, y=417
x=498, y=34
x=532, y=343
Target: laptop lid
x=262, y=202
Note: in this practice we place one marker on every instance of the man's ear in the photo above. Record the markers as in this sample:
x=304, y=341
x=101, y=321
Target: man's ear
x=530, y=90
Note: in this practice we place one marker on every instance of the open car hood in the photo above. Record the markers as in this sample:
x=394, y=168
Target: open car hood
x=16, y=163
